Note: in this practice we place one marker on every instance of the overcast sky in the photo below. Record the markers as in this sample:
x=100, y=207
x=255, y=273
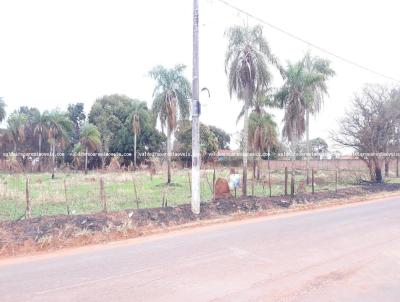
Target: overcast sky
x=53, y=53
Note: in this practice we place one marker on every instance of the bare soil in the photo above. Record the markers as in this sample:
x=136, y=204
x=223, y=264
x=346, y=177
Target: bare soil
x=56, y=232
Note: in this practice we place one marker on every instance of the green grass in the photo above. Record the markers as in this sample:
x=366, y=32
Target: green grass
x=82, y=191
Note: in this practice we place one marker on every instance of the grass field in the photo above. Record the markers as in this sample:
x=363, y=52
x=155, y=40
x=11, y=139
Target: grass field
x=77, y=193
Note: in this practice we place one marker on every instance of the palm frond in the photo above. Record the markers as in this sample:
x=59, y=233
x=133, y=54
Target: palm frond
x=171, y=95
x=90, y=136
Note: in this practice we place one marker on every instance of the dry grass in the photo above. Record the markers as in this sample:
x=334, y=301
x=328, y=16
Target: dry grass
x=81, y=195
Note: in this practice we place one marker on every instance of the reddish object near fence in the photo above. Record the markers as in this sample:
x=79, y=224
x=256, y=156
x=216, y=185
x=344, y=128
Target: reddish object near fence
x=222, y=189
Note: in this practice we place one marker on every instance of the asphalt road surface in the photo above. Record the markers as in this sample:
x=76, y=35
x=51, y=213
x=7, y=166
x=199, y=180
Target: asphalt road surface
x=349, y=253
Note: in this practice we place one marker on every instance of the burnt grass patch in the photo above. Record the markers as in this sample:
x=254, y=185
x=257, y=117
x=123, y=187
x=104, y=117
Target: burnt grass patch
x=55, y=232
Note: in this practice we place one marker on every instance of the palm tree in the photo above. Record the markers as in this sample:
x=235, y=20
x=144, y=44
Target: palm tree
x=2, y=110
x=59, y=126
x=40, y=124
x=89, y=139
x=171, y=94
x=262, y=127
x=294, y=95
x=262, y=130
x=136, y=131
x=16, y=130
x=318, y=91
x=248, y=73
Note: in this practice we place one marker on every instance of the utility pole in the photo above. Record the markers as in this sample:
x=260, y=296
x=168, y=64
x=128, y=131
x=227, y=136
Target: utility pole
x=195, y=114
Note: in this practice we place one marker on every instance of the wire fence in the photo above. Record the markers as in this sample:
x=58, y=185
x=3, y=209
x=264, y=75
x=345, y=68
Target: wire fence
x=37, y=194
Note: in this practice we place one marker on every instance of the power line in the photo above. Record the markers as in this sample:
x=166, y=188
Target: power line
x=293, y=36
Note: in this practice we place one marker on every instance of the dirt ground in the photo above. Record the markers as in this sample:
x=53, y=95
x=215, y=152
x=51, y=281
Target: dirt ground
x=56, y=232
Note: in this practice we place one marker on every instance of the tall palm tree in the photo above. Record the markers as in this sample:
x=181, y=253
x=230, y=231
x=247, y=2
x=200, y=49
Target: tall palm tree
x=248, y=73
x=59, y=127
x=40, y=129
x=294, y=95
x=171, y=101
x=2, y=110
x=136, y=131
x=318, y=91
x=89, y=140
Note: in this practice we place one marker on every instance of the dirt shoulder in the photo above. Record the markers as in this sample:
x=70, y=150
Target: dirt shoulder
x=62, y=231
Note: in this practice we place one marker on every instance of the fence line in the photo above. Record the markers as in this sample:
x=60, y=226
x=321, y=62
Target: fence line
x=73, y=193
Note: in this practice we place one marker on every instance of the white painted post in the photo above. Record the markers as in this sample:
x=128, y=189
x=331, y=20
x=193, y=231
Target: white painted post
x=195, y=114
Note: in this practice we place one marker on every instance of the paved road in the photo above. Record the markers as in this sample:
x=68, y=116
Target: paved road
x=342, y=254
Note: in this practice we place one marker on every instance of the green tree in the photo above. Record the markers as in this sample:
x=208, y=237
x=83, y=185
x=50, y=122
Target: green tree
x=112, y=115
x=171, y=101
x=316, y=146
x=224, y=139
x=109, y=114
x=89, y=141
x=183, y=135
x=248, y=73
x=76, y=113
x=148, y=140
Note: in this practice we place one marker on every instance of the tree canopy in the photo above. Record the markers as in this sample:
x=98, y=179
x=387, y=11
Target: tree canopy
x=372, y=126
x=113, y=114
x=183, y=135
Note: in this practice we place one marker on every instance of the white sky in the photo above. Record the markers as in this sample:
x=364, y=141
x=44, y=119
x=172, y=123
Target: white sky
x=57, y=52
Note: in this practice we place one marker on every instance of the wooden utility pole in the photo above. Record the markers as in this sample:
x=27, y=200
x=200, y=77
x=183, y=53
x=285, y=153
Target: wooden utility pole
x=195, y=114
x=28, y=211
x=66, y=197
x=286, y=181
x=336, y=180
x=312, y=181
x=308, y=146
x=292, y=185
x=135, y=192
x=103, y=195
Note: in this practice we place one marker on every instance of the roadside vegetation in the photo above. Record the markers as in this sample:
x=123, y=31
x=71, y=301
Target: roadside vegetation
x=77, y=193
x=48, y=159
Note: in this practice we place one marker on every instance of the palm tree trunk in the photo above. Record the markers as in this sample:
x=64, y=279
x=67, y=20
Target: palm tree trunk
x=254, y=176
x=245, y=148
x=86, y=159
x=259, y=165
x=269, y=173
x=292, y=181
x=134, y=153
x=308, y=146
x=40, y=150
x=168, y=155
